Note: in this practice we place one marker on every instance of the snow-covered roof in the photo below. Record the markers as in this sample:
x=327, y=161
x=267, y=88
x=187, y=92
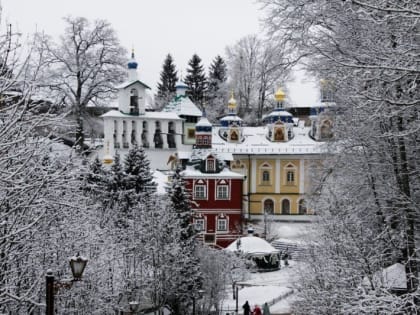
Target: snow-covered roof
x=128, y=83
x=190, y=171
x=278, y=113
x=147, y=115
x=203, y=122
x=256, y=142
x=200, y=154
x=231, y=118
x=252, y=245
x=183, y=106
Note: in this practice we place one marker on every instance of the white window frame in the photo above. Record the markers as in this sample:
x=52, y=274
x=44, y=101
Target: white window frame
x=292, y=180
x=220, y=195
x=290, y=167
x=219, y=221
x=265, y=167
x=199, y=223
x=204, y=192
x=211, y=162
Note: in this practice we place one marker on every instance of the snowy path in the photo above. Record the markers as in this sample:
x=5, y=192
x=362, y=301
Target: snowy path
x=264, y=287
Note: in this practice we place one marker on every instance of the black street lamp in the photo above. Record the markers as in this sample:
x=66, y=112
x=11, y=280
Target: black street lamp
x=200, y=295
x=77, y=265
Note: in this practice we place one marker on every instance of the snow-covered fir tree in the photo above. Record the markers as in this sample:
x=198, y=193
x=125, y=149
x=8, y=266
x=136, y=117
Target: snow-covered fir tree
x=187, y=279
x=138, y=175
x=166, y=86
x=196, y=80
x=217, y=90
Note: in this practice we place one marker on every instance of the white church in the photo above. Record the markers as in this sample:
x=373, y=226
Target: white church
x=161, y=133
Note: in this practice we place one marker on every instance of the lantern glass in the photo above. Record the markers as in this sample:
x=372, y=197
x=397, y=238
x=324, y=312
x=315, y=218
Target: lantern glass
x=77, y=265
x=134, y=306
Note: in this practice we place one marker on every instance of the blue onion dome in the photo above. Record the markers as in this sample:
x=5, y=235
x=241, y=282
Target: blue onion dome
x=132, y=64
x=181, y=85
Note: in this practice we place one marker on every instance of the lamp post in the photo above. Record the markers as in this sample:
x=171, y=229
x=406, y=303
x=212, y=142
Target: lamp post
x=77, y=265
x=200, y=295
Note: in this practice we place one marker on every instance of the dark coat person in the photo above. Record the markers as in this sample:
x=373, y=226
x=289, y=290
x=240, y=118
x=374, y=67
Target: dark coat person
x=247, y=308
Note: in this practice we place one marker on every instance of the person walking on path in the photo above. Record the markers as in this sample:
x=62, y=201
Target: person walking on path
x=266, y=309
x=257, y=310
x=247, y=308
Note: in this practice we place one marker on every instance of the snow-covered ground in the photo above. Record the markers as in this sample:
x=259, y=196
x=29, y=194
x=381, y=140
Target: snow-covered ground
x=276, y=287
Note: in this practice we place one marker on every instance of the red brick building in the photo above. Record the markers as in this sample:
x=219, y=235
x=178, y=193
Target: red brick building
x=217, y=199
x=216, y=191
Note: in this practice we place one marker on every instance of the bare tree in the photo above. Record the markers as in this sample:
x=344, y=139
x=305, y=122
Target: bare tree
x=368, y=50
x=85, y=67
x=38, y=193
x=256, y=68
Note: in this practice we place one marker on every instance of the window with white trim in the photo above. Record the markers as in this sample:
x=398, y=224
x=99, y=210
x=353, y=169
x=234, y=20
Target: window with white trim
x=265, y=174
x=222, y=224
x=290, y=177
x=265, y=177
x=211, y=165
x=290, y=174
x=222, y=192
x=199, y=225
x=200, y=192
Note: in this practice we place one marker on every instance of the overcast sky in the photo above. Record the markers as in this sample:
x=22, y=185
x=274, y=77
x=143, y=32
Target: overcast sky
x=155, y=28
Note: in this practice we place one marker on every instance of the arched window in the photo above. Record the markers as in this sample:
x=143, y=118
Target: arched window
x=134, y=102
x=302, y=207
x=157, y=137
x=269, y=206
x=124, y=135
x=144, y=135
x=285, y=206
x=171, y=135
x=133, y=133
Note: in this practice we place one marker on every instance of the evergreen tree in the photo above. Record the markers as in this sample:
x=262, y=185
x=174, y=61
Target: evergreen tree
x=137, y=170
x=217, y=91
x=168, y=79
x=196, y=79
x=186, y=274
x=217, y=73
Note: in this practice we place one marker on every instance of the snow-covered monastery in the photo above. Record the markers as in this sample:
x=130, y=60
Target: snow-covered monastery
x=273, y=160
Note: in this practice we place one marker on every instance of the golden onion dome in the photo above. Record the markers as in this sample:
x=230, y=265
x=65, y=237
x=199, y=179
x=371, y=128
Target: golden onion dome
x=232, y=101
x=279, y=95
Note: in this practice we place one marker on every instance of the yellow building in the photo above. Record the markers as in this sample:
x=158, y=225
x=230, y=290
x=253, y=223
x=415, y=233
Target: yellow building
x=275, y=158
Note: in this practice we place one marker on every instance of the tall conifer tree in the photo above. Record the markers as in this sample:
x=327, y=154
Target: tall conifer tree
x=168, y=79
x=187, y=276
x=196, y=79
x=217, y=92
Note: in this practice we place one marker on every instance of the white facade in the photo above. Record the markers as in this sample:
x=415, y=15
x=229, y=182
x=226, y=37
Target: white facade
x=160, y=133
